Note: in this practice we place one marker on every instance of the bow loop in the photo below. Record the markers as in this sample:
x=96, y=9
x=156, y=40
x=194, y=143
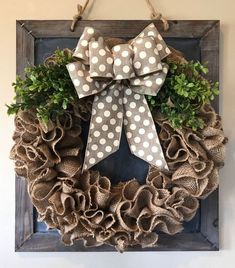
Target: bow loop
x=123, y=55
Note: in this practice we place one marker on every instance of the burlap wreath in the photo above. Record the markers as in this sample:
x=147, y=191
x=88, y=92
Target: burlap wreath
x=87, y=206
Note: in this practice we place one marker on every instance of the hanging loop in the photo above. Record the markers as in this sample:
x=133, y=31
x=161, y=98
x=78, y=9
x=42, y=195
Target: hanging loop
x=155, y=15
x=79, y=14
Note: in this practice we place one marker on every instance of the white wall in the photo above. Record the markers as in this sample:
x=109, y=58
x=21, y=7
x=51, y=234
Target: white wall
x=10, y=10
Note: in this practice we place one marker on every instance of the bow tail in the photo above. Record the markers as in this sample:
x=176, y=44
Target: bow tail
x=105, y=125
x=141, y=131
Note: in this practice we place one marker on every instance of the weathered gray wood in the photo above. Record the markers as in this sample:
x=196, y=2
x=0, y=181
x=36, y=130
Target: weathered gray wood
x=23, y=205
x=44, y=242
x=118, y=28
x=27, y=32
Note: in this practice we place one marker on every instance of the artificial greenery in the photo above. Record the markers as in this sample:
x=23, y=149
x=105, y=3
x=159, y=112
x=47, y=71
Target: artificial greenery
x=46, y=88
x=49, y=90
x=183, y=93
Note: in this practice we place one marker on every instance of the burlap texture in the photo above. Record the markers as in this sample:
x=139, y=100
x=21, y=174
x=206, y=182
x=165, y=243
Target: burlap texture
x=87, y=206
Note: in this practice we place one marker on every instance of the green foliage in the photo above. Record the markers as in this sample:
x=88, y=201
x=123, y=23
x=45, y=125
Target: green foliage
x=49, y=90
x=183, y=93
x=46, y=88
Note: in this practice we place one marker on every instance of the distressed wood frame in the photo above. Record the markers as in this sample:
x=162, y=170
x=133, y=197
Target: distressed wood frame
x=26, y=239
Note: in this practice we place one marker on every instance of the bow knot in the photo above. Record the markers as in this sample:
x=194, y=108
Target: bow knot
x=119, y=78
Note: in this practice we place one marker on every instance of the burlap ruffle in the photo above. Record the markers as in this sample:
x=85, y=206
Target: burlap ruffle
x=86, y=206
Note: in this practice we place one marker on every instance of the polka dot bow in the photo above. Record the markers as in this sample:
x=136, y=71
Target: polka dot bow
x=119, y=78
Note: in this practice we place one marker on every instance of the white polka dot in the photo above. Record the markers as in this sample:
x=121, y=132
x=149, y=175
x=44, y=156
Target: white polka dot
x=128, y=113
x=156, y=51
x=103, y=93
x=107, y=113
x=117, y=48
x=146, y=122
x=149, y=157
x=119, y=77
x=159, y=163
x=133, y=148
x=92, y=161
x=112, y=121
x=87, y=153
x=109, y=99
x=116, y=93
x=114, y=107
x=96, y=133
x=125, y=53
x=141, y=153
x=116, y=143
x=154, y=149
x=102, y=68
x=132, y=105
x=87, y=53
x=128, y=91
x=148, y=45
x=71, y=67
x=110, y=135
x=168, y=50
x=137, y=96
x=145, y=144
x=80, y=73
x=128, y=135
x=159, y=47
x=137, y=118
x=139, y=40
x=152, y=60
x=84, y=43
x=102, y=141
x=137, y=139
x=90, y=30
x=146, y=70
x=76, y=82
x=143, y=54
x=126, y=69
x=95, y=45
x=94, y=60
x=148, y=83
x=141, y=109
x=159, y=81
x=141, y=131
x=159, y=37
x=100, y=154
x=165, y=70
x=109, y=60
x=124, y=100
x=94, y=147
x=137, y=65
x=125, y=122
x=102, y=52
x=150, y=136
x=118, y=129
x=119, y=115
x=105, y=128
x=108, y=149
x=92, y=126
x=117, y=62
x=97, y=84
x=89, y=139
x=132, y=126
x=85, y=88
x=89, y=79
x=98, y=119
x=100, y=105
x=137, y=81
x=151, y=33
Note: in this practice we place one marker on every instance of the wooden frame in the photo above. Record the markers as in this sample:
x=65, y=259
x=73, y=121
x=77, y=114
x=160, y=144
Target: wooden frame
x=26, y=239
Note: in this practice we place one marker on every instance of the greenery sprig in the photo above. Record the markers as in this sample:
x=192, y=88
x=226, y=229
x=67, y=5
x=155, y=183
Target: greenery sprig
x=49, y=90
x=46, y=88
x=183, y=93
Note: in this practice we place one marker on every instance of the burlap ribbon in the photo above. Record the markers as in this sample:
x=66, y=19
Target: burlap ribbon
x=119, y=78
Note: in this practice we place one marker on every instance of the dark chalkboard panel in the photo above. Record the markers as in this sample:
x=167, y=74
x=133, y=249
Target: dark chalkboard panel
x=36, y=40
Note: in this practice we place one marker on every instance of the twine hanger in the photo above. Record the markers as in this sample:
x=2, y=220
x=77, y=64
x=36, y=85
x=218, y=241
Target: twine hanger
x=155, y=15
